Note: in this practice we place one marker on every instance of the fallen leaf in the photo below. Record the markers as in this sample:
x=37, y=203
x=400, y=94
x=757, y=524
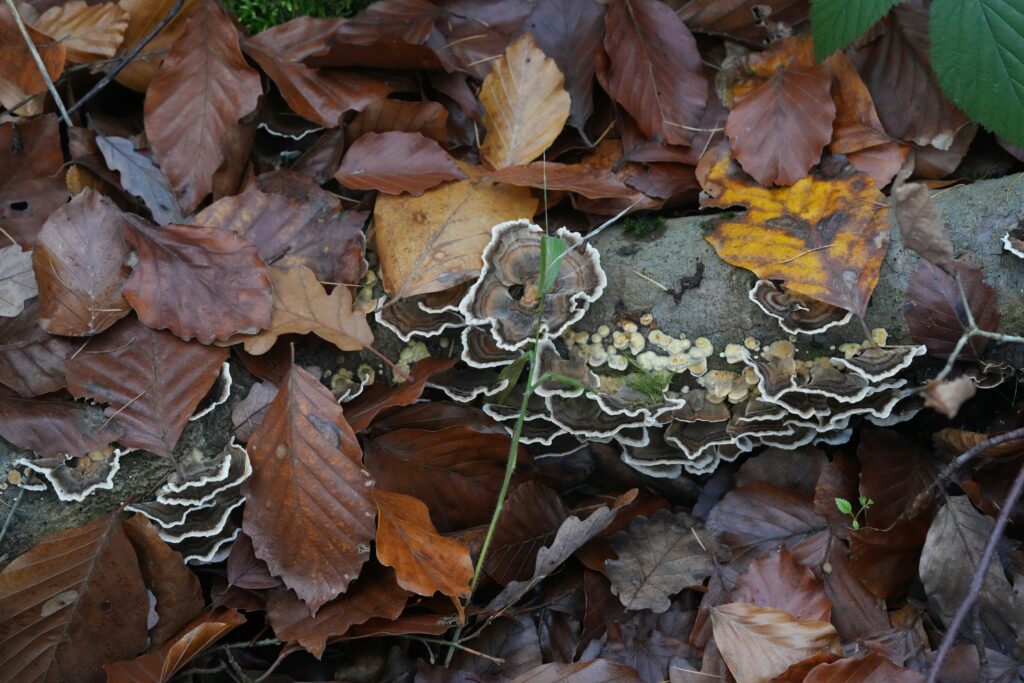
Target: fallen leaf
x=151, y=382
x=424, y=561
x=894, y=471
x=512, y=641
x=71, y=604
x=31, y=186
x=658, y=557
x=533, y=515
x=18, y=69
x=934, y=310
x=200, y=282
x=309, y=509
x=302, y=306
x=759, y=643
x=921, y=225
x=436, y=241
x=143, y=17
x=655, y=71
x=31, y=360
x=140, y=177
x=590, y=671
x=588, y=180
x=17, y=282
x=825, y=239
x=648, y=643
x=50, y=427
x=745, y=20
x=379, y=397
x=871, y=668
x=427, y=118
x=89, y=32
x=80, y=262
x=946, y=396
x=396, y=162
x=203, y=87
x=777, y=581
x=525, y=105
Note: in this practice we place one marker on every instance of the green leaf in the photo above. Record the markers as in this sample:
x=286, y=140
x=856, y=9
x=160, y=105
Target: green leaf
x=977, y=51
x=837, y=23
x=866, y=502
x=552, y=250
x=511, y=372
x=856, y=525
x=844, y=506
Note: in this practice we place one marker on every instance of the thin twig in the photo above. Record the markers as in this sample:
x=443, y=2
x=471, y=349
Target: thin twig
x=126, y=58
x=39, y=64
x=979, y=575
x=460, y=646
x=10, y=515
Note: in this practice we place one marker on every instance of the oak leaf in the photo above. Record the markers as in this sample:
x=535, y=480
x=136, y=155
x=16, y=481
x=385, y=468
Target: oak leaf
x=824, y=238
x=525, y=105
x=302, y=306
x=436, y=241
x=309, y=509
x=143, y=17
x=17, y=282
x=141, y=177
x=396, y=162
x=202, y=89
x=89, y=32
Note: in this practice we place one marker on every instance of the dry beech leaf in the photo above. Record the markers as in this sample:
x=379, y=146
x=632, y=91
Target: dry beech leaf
x=590, y=671
x=739, y=19
x=141, y=177
x=871, y=668
x=379, y=396
x=396, y=162
x=824, y=238
x=921, y=224
x=32, y=360
x=17, y=282
x=144, y=16
x=151, y=381
x=71, y=604
x=935, y=313
x=525, y=105
x=759, y=643
x=946, y=396
x=161, y=665
x=309, y=509
x=658, y=557
x=80, y=262
x=18, y=70
x=302, y=306
x=534, y=515
x=436, y=241
x=245, y=570
x=427, y=118
x=778, y=581
x=589, y=180
x=424, y=561
x=31, y=186
x=655, y=69
x=89, y=32
x=51, y=427
x=202, y=89
x=200, y=282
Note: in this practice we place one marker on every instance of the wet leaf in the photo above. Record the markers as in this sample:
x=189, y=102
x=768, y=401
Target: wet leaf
x=17, y=282
x=309, y=508
x=396, y=162
x=525, y=105
x=141, y=177
x=88, y=32
x=934, y=310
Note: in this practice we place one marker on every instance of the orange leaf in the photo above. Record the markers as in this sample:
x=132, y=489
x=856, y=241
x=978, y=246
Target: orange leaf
x=824, y=238
x=424, y=561
x=525, y=105
x=19, y=75
x=143, y=17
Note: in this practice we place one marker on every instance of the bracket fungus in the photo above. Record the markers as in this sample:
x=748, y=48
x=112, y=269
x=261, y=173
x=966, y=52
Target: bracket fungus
x=73, y=479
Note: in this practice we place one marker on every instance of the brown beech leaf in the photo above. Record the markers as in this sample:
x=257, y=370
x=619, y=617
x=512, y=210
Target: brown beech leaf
x=590, y=671
x=825, y=239
x=589, y=180
x=457, y=215
x=745, y=20
x=427, y=118
x=525, y=105
x=424, y=561
x=778, y=129
x=31, y=360
x=200, y=282
x=80, y=261
x=759, y=643
x=871, y=668
x=894, y=471
x=71, y=604
x=655, y=71
x=18, y=70
x=245, y=570
x=432, y=466
x=658, y=557
x=309, y=509
x=144, y=16
x=512, y=641
x=533, y=516
x=921, y=224
x=49, y=427
x=311, y=231
x=776, y=580
x=935, y=312
x=17, y=282
x=396, y=162
x=203, y=87
x=179, y=597
x=161, y=665
x=379, y=396
x=89, y=32
x=301, y=306
x=141, y=177
x=374, y=594
x=32, y=184
x=151, y=381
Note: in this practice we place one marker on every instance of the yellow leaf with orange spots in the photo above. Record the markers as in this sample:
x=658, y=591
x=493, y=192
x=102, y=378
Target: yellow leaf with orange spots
x=825, y=238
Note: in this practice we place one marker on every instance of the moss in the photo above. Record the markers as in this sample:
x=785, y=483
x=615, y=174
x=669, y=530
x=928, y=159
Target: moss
x=642, y=225
x=651, y=384
x=259, y=15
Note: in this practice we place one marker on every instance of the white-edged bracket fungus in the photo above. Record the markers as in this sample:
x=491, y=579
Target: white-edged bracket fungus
x=73, y=479
x=797, y=314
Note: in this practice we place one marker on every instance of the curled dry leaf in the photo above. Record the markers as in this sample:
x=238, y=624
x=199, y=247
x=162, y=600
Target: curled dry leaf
x=824, y=238
x=525, y=105
x=17, y=282
x=590, y=671
x=143, y=17
x=946, y=396
x=55, y=428
x=436, y=241
x=396, y=162
x=151, y=381
x=302, y=306
x=71, y=604
x=935, y=312
x=309, y=506
x=80, y=262
x=141, y=177
x=89, y=32
x=202, y=89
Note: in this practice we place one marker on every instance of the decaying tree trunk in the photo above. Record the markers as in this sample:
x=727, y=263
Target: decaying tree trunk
x=710, y=299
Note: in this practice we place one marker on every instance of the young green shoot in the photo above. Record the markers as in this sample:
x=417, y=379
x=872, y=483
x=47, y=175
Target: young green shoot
x=846, y=507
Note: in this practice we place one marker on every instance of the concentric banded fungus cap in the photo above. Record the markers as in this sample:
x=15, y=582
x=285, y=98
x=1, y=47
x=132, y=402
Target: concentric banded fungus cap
x=505, y=297
x=796, y=313
x=219, y=393
x=550, y=361
x=408, y=319
x=75, y=478
x=881, y=362
x=465, y=384
x=585, y=418
x=479, y=349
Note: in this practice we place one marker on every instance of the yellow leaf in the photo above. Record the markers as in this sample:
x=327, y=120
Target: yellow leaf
x=89, y=32
x=825, y=239
x=525, y=105
x=436, y=241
